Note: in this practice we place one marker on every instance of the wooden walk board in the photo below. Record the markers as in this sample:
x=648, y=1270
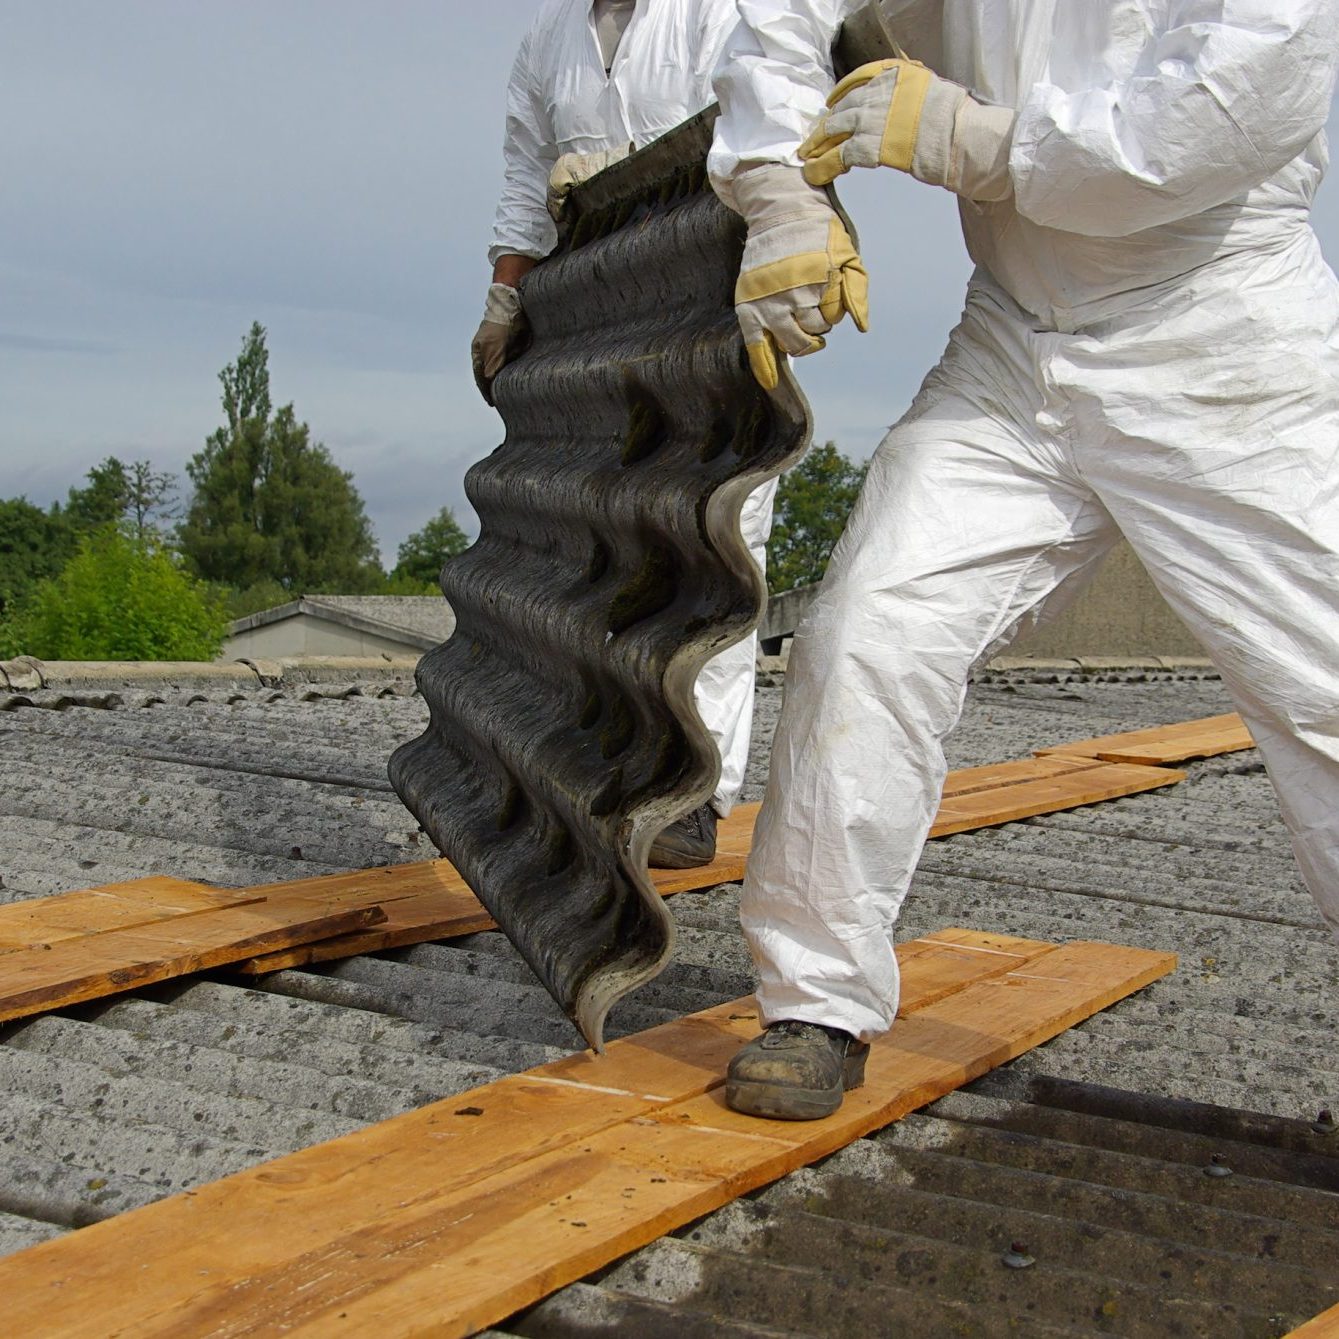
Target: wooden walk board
x=118, y=906
x=146, y=931
x=1046, y=793
x=429, y=900
x=1207, y=737
x=1325, y=1326
x=448, y=1219
x=400, y=905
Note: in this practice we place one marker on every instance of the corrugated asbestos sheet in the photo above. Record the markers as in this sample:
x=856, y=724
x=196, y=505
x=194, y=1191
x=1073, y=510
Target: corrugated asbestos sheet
x=1040, y=1207
x=609, y=568
x=110, y=1105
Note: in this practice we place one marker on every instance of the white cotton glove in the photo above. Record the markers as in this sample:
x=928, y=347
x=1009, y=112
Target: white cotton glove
x=800, y=273
x=498, y=337
x=574, y=168
x=897, y=113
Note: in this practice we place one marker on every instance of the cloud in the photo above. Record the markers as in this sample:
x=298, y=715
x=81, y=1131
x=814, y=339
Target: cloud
x=53, y=344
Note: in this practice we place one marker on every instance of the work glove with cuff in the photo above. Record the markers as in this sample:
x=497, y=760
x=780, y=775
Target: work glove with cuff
x=499, y=338
x=573, y=168
x=800, y=273
x=897, y=113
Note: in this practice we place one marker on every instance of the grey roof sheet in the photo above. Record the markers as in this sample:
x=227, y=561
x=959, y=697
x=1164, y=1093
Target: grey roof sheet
x=116, y=1103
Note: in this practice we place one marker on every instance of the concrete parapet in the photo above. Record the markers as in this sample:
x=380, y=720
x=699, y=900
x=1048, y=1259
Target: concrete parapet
x=28, y=674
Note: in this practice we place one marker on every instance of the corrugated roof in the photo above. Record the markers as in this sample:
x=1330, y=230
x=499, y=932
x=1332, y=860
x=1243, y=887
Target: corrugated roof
x=113, y=1104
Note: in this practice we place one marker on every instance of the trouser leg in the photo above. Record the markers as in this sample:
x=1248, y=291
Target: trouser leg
x=724, y=689
x=1262, y=594
x=962, y=529
x=1236, y=517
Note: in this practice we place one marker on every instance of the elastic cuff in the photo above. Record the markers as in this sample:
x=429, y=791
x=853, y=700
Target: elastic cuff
x=495, y=253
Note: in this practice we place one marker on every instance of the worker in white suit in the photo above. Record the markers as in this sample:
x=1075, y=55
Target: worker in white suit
x=1150, y=347
x=592, y=80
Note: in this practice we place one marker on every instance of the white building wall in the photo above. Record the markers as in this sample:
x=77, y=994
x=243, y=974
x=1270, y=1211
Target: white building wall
x=305, y=635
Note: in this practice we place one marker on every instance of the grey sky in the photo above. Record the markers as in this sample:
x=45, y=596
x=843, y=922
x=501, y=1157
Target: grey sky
x=170, y=171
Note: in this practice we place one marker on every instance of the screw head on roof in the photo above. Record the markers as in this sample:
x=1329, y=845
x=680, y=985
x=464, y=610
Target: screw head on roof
x=1325, y=1122
x=1017, y=1257
x=1218, y=1166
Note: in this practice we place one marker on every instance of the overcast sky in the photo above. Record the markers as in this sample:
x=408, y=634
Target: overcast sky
x=172, y=171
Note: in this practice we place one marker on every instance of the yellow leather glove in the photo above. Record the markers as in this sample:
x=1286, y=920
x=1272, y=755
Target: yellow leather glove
x=897, y=113
x=800, y=273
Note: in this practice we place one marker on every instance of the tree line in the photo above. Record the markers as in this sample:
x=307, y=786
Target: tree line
x=121, y=570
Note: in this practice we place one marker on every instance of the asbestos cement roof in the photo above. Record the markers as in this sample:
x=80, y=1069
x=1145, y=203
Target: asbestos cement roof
x=1090, y=1151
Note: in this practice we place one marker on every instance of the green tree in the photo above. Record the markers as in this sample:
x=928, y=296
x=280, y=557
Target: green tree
x=812, y=504
x=102, y=501
x=119, y=598
x=421, y=556
x=270, y=504
x=149, y=500
x=34, y=545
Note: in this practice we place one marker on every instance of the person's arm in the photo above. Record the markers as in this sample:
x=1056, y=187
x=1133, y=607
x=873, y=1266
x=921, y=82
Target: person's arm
x=510, y=269
x=800, y=273
x=523, y=232
x=772, y=82
x=522, y=228
x=1227, y=94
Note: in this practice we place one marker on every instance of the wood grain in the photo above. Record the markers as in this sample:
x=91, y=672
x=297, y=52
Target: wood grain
x=430, y=900
x=1047, y=795
x=113, y=906
x=1325, y=1326
x=448, y=1219
x=44, y=976
x=1207, y=737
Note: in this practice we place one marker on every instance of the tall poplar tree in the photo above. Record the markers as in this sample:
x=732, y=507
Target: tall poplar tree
x=269, y=503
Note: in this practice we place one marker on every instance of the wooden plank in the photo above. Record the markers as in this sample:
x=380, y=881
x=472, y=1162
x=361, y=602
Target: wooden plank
x=1325, y=1326
x=490, y=1129
x=1207, y=737
x=429, y=900
x=116, y=906
x=43, y=977
x=1048, y=795
x=450, y=1218
x=979, y=942
x=969, y=780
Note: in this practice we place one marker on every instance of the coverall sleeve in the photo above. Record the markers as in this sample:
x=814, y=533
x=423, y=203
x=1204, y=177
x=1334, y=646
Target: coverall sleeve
x=522, y=226
x=772, y=82
x=1226, y=93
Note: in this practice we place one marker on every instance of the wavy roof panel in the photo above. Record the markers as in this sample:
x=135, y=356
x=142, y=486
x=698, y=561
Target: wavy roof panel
x=609, y=568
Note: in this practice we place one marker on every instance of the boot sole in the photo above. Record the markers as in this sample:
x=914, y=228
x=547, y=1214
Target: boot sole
x=777, y=1101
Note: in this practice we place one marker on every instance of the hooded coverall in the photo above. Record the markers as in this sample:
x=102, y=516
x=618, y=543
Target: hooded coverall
x=1150, y=347
x=560, y=100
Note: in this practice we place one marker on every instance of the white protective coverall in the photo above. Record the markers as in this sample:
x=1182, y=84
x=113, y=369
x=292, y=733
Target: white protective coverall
x=1150, y=346
x=560, y=100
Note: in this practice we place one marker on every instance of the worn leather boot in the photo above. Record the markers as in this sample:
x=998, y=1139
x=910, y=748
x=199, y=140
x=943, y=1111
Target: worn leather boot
x=795, y=1071
x=687, y=843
